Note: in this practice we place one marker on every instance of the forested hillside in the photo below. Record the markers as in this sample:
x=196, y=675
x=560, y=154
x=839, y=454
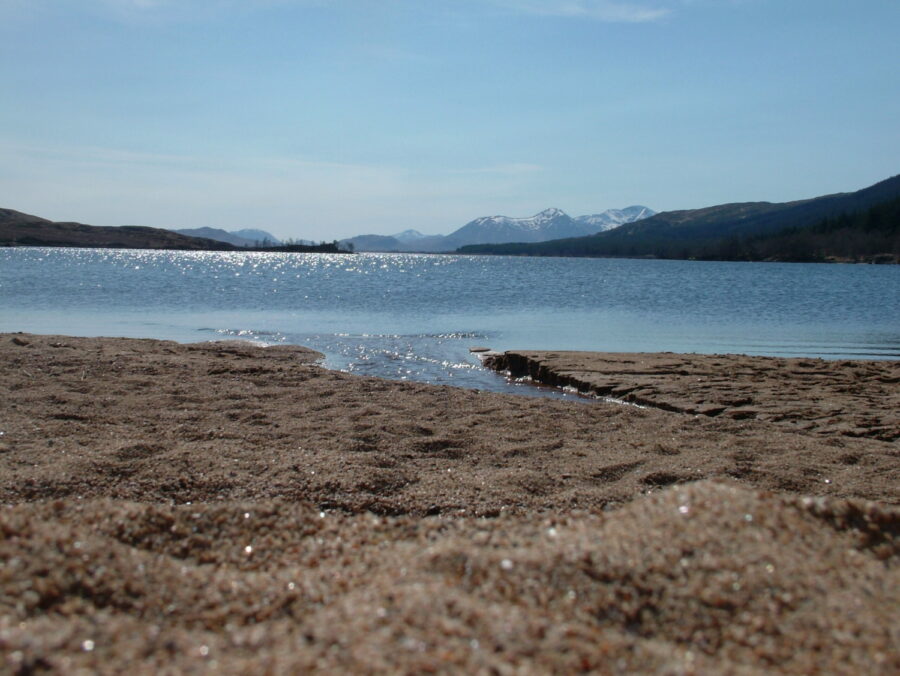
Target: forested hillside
x=856, y=226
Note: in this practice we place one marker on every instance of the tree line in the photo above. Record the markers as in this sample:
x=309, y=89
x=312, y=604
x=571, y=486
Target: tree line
x=868, y=235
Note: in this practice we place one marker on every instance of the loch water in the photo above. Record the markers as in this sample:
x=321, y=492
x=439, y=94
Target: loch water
x=416, y=316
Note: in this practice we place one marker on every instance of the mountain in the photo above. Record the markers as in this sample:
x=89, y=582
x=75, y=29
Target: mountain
x=255, y=235
x=8, y=217
x=408, y=240
x=372, y=243
x=871, y=235
x=243, y=238
x=20, y=229
x=613, y=218
x=703, y=232
x=409, y=236
x=548, y=224
x=753, y=218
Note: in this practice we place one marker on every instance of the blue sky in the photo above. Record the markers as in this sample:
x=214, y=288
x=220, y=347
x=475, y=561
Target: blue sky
x=323, y=119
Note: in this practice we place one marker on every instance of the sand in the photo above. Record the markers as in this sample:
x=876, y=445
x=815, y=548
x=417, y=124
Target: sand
x=224, y=508
x=831, y=398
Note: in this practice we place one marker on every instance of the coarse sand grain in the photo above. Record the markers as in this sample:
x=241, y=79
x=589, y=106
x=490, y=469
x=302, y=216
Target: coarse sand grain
x=226, y=508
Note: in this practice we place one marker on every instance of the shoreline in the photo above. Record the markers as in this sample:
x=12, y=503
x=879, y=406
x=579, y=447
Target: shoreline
x=858, y=398
x=99, y=397
x=223, y=507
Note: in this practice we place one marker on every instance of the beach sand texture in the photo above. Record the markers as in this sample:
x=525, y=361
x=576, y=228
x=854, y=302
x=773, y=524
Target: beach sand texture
x=830, y=398
x=225, y=508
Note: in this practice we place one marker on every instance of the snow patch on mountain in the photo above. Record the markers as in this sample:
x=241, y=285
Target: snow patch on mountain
x=549, y=224
x=613, y=218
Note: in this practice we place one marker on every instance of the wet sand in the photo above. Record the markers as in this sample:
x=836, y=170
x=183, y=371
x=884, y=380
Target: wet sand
x=224, y=508
x=831, y=398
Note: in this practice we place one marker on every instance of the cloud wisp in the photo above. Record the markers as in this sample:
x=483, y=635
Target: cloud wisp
x=510, y=169
x=612, y=11
x=293, y=197
x=598, y=10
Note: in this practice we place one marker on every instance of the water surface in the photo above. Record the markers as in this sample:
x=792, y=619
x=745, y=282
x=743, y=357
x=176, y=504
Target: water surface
x=415, y=316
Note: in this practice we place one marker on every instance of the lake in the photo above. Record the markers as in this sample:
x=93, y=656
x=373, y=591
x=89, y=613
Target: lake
x=415, y=316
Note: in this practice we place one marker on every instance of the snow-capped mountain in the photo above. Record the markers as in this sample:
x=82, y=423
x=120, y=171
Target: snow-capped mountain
x=548, y=224
x=613, y=218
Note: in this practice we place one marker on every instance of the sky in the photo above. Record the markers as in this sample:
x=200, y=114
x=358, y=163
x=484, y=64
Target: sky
x=325, y=119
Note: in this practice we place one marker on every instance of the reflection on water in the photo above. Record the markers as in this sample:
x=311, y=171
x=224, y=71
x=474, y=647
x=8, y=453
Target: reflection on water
x=440, y=359
x=416, y=316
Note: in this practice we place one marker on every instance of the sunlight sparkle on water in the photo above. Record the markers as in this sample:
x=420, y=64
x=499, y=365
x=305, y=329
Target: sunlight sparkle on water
x=415, y=316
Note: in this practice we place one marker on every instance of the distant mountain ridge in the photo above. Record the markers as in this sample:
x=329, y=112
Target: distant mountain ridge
x=21, y=229
x=613, y=218
x=547, y=225
x=711, y=231
x=247, y=237
x=409, y=236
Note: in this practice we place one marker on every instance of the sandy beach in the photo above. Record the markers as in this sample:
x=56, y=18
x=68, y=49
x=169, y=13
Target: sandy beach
x=225, y=508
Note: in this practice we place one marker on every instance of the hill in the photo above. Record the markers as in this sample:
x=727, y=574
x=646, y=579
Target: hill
x=871, y=235
x=373, y=243
x=20, y=229
x=724, y=231
x=242, y=238
x=255, y=235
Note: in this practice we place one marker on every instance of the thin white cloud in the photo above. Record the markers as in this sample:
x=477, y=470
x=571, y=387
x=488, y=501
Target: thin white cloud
x=167, y=11
x=290, y=197
x=140, y=11
x=511, y=169
x=200, y=6
x=599, y=10
x=623, y=11
x=111, y=186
